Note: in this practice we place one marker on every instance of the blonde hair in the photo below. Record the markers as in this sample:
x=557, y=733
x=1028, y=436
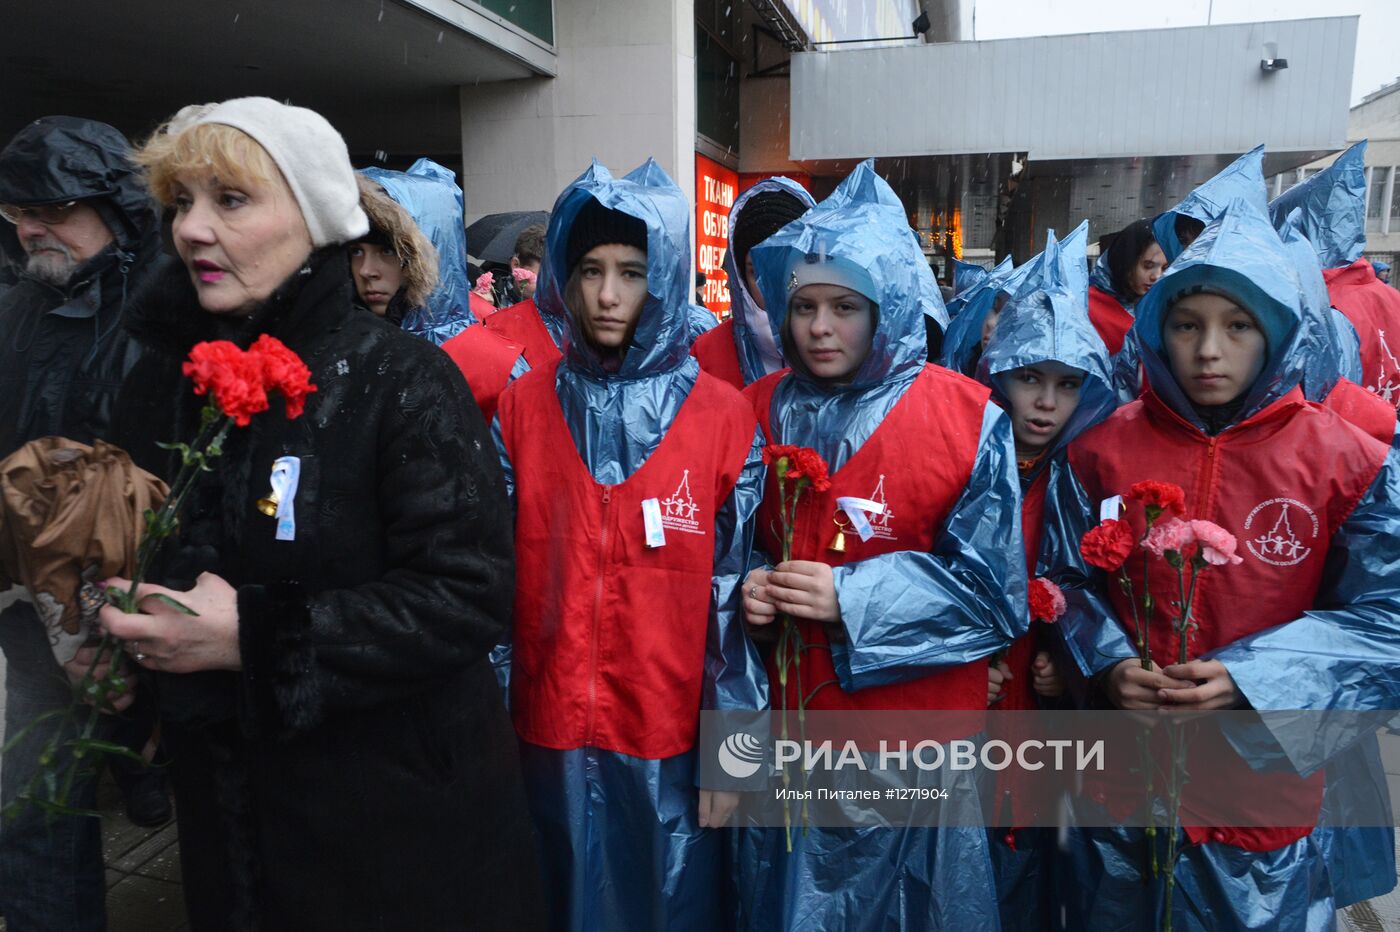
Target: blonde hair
x=214, y=149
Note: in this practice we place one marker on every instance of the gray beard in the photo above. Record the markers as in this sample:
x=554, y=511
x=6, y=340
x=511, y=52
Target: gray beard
x=50, y=267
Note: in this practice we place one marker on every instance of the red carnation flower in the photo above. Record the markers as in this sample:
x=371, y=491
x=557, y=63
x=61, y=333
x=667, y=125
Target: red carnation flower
x=1108, y=544
x=284, y=372
x=234, y=377
x=774, y=452
x=1047, y=601
x=807, y=462
x=1162, y=496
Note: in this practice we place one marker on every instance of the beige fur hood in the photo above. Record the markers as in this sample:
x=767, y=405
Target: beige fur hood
x=419, y=258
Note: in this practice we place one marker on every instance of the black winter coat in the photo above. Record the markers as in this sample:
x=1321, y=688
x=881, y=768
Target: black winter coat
x=63, y=352
x=360, y=772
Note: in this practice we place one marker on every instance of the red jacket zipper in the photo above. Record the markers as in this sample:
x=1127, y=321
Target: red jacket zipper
x=1208, y=486
x=597, y=615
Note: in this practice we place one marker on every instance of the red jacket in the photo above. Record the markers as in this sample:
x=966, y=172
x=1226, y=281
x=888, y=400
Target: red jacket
x=1282, y=481
x=609, y=639
x=918, y=462
x=486, y=362
x=520, y=324
x=1018, y=696
x=1373, y=308
x=480, y=306
x=717, y=354
x=1363, y=409
x=1109, y=318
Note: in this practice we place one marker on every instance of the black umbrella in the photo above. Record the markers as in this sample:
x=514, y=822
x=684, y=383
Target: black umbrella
x=492, y=238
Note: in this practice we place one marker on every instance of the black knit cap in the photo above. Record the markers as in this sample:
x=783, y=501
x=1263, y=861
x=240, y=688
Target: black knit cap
x=596, y=225
x=763, y=215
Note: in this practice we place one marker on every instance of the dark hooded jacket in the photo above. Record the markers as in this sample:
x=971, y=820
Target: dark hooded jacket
x=62, y=349
x=360, y=771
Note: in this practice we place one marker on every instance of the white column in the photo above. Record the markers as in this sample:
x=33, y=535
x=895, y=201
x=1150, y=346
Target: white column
x=1385, y=199
x=1366, y=211
x=625, y=91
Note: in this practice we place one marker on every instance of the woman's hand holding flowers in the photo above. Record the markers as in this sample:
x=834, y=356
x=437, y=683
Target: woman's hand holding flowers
x=161, y=637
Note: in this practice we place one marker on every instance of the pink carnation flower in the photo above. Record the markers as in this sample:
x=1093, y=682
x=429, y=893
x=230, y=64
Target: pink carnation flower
x=1217, y=544
x=522, y=275
x=1173, y=534
x=484, y=283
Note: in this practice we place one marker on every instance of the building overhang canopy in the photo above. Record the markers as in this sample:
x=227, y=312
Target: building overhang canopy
x=1160, y=92
x=385, y=72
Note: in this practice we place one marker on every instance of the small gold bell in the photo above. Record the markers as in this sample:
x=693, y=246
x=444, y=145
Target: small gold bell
x=838, y=543
x=268, y=504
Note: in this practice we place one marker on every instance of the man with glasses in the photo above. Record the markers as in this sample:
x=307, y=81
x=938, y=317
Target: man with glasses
x=79, y=235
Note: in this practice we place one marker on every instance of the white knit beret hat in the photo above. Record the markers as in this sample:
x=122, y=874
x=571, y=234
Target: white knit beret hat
x=308, y=150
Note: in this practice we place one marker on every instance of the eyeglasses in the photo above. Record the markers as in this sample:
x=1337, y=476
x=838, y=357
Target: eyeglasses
x=48, y=214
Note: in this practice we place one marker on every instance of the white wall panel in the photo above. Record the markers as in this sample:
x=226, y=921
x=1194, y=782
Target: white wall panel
x=1191, y=91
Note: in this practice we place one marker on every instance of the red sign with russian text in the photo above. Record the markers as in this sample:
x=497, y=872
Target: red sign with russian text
x=715, y=190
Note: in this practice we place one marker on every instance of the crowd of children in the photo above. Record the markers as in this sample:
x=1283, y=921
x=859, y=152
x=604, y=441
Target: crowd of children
x=1235, y=370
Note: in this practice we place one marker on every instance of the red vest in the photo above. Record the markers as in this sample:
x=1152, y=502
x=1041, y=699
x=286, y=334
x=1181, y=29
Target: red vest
x=1267, y=482
x=609, y=639
x=1018, y=696
x=521, y=325
x=480, y=306
x=717, y=354
x=1015, y=806
x=1363, y=409
x=486, y=361
x=1109, y=318
x=1373, y=308
x=918, y=462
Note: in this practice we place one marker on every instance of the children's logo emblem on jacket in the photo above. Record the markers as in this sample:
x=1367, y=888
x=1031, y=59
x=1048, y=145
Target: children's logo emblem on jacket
x=880, y=524
x=1387, y=381
x=679, y=512
x=1269, y=531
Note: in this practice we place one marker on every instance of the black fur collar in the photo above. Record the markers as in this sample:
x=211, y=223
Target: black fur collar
x=165, y=313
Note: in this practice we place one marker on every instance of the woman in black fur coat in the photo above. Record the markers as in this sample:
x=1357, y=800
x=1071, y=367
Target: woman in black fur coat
x=340, y=752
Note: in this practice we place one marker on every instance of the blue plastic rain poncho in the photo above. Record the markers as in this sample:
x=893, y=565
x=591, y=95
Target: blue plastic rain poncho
x=968, y=594
x=962, y=346
x=966, y=274
x=967, y=284
x=620, y=837
x=1048, y=321
x=1328, y=213
x=699, y=320
x=756, y=344
x=1328, y=342
x=430, y=194
x=1329, y=209
x=1242, y=179
x=1340, y=654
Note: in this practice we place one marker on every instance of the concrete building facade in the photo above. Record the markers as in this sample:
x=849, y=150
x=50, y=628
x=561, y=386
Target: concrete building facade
x=1377, y=120
x=988, y=143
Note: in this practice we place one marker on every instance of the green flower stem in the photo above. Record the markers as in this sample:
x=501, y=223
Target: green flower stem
x=790, y=644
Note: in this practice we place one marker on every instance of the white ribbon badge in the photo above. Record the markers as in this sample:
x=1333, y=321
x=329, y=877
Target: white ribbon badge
x=286, y=473
x=651, y=521
x=855, y=509
x=1110, y=509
